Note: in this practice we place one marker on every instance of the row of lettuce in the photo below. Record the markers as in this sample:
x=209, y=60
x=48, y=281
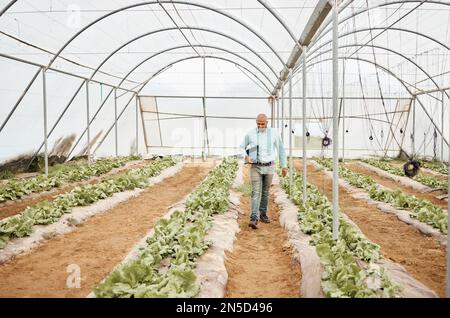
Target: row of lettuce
x=350, y=268
x=48, y=212
x=430, y=181
x=15, y=189
x=436, y=166
x=165, y=266
x=420, y=209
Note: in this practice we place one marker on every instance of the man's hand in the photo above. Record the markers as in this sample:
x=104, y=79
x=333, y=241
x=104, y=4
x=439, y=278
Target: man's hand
x=248, y=159
x=284, y=172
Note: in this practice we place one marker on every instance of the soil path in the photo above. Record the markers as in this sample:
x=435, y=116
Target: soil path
x=261, y=264
x=98, y=244
x=422, y=256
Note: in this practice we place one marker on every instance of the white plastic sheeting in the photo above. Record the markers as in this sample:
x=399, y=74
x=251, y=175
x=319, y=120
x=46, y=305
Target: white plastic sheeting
x=389, y=50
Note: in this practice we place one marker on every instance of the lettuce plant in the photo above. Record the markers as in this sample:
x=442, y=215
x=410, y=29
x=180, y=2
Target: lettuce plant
x=48, y=212
x=344, y=275
x=165, y=266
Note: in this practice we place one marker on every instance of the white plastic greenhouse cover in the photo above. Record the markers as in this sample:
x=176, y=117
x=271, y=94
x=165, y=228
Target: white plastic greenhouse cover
x=202, y=71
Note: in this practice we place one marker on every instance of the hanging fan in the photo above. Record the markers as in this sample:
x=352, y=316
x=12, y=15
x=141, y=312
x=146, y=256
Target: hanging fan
x=326, y=141
x=411, y=168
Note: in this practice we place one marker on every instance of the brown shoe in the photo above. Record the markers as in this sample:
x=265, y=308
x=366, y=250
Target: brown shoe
x=253, y=224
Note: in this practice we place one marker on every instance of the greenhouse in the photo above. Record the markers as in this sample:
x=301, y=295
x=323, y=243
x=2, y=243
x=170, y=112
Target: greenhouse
x=131, y=163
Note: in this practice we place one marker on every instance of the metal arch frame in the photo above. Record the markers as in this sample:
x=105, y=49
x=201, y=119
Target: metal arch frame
x=390, y=29
x=320, y=35
x=216, y=48
x=143, y=86
x=184, y=59
x=280, y=20
x=183, y=28
x=392, y=74
x=168, y=65
x=6, y=8
x=148, y=80
x=254, y=32
x=386, y=49
x=357, y=59
x=321, y=10
x=229, y=16
x=176, y=24
x=262, y=2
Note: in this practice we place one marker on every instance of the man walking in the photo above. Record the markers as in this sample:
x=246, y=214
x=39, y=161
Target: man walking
x=259, y=147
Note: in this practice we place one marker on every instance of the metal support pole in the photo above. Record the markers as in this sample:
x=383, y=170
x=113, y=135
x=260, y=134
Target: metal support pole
x=424, y=143
x=137, y=127
x=205, y=123
x=278, y=113
x=335, y=124
x=442, y=127
x=144, y=129
x=116, y=136
x=56, y=123
x=272, y=112
x=44, y=87
x=282, y=112
x=204, y=109
x=204, y=130
x=92, y=120
x=413, y=140
x=290, y=133
x=112, y=126
x=448, y=226
x=159, y=124
x=343, y=110
x=20, y=100
x=88, y=124
x=304, y=158
x=432, y=121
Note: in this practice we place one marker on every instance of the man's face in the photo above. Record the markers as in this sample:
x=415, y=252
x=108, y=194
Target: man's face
x=261, y=123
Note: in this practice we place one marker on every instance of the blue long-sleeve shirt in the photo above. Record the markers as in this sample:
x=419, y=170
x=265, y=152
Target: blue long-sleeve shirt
x=269, y=143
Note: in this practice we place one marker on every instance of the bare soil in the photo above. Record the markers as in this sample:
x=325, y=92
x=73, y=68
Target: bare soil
x=423, y=257
x=98, y=244
x=261, y=264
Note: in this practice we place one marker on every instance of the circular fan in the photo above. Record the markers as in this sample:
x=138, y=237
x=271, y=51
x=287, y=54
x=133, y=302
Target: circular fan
x=326, y=141
x=411, y=168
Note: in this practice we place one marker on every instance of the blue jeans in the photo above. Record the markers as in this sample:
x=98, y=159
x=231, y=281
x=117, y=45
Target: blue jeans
x=261, y=181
